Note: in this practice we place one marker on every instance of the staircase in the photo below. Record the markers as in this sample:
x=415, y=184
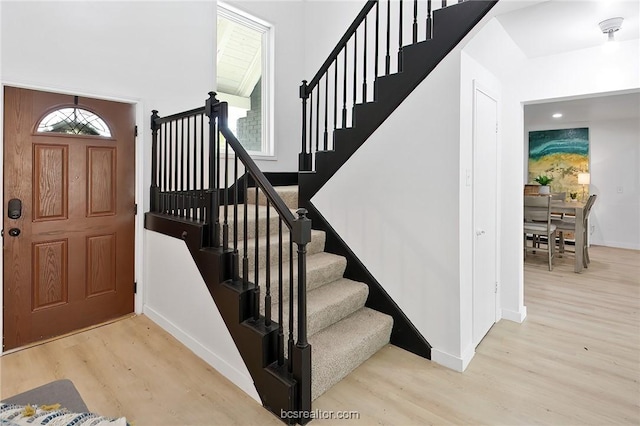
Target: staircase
x=303, y=318
x=343, y=333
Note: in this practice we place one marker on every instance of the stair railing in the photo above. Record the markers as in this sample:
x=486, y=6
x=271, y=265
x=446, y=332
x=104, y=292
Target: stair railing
x=201, y=172
x=371, y=47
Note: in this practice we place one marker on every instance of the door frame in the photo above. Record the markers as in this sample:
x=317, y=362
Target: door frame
x=493, y=94
x=139, y=181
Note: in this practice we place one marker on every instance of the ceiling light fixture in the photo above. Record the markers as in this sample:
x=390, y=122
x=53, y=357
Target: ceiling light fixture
x=610, y=26
x=557, y=115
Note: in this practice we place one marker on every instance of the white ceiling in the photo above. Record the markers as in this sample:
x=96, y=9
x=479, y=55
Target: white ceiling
x=548, y=27
x=557, y=26
x=612, y=107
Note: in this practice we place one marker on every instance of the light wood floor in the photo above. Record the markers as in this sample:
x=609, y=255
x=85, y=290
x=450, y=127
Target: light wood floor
x=574, y=361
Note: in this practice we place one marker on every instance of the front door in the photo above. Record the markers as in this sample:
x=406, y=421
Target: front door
x=68, y=227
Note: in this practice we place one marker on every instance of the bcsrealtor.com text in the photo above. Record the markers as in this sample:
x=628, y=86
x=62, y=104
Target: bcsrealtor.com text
x=320, y=414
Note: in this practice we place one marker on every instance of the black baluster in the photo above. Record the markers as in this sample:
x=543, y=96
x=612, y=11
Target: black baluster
x=188, y=213
x=163, y=166
x=377, y=47
x=444, y=3
x=290, y=341
x=326, y=109
x=267, y=280
x=202, y=152
x=317, y=118
x=344, y=91
x=335, y=97
x=182, y=163
x=256, y=262
x=225, y=226
x=170, y=187
x=415, y=21
x=311, y=123
x=245, y=210
x=153, y=196
x=280, y=289
x=400, y=37
x=236, y=259
x=388, y=56
x=364, y=66
x=429, y=23
x=355, y=72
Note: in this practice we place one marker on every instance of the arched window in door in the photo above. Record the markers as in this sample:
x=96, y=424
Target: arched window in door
x=74, y=121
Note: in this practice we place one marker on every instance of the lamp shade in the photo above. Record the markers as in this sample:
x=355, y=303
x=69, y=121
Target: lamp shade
x=584, y=178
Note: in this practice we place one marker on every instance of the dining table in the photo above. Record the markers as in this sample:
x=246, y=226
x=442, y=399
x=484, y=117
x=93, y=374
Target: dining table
x=574, y=208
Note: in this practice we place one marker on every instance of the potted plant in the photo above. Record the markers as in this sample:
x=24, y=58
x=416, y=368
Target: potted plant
x=573, y=196
x=544, y=182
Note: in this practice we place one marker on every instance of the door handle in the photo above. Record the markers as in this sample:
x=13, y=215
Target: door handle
x=14, y=209
x=14, y=232
x=479, y=232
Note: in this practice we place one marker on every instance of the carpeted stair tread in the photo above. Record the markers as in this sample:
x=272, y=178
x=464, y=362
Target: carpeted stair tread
x=315, y=246
x=288, y=193
x=340, y=348
x=322, y=268
x=251, y=221
x=327, y=305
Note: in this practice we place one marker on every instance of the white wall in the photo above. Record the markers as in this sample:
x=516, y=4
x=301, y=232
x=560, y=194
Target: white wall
x=326, y=21
x=403, y=222
x=614, y=150
x=183, y=306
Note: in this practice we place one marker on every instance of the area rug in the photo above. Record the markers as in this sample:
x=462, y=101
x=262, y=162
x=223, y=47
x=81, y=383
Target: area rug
x=55, y=404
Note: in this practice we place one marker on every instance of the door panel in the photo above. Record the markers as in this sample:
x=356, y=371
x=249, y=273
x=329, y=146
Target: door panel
x=71, y=266
x=484, y=214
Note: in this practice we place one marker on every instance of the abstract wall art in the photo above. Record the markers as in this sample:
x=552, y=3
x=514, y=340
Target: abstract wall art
x=561, y=154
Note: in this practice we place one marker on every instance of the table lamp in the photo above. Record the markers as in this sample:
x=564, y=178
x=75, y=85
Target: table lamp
x=584, y=179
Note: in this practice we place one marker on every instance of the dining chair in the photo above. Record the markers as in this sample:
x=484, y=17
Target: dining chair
x=568, y=224
x=558, y=196
x=537, y=223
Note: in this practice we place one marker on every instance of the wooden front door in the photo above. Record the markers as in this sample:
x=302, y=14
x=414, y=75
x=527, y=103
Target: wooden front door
x=68, y=227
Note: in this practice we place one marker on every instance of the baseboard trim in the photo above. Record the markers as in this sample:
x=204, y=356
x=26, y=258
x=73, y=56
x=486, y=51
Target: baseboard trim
x=236, y=377
x=514, y=316
x=453, y=362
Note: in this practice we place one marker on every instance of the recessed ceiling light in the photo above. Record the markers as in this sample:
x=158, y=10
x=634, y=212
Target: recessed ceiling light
x=557, y=115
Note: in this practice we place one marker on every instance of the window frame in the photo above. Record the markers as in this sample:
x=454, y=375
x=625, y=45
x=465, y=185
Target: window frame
x=238, y=16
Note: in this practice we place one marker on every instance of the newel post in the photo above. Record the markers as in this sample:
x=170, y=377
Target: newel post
x=304, y=160
x=302, y=351
x=212, y=110
x=155, y=191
